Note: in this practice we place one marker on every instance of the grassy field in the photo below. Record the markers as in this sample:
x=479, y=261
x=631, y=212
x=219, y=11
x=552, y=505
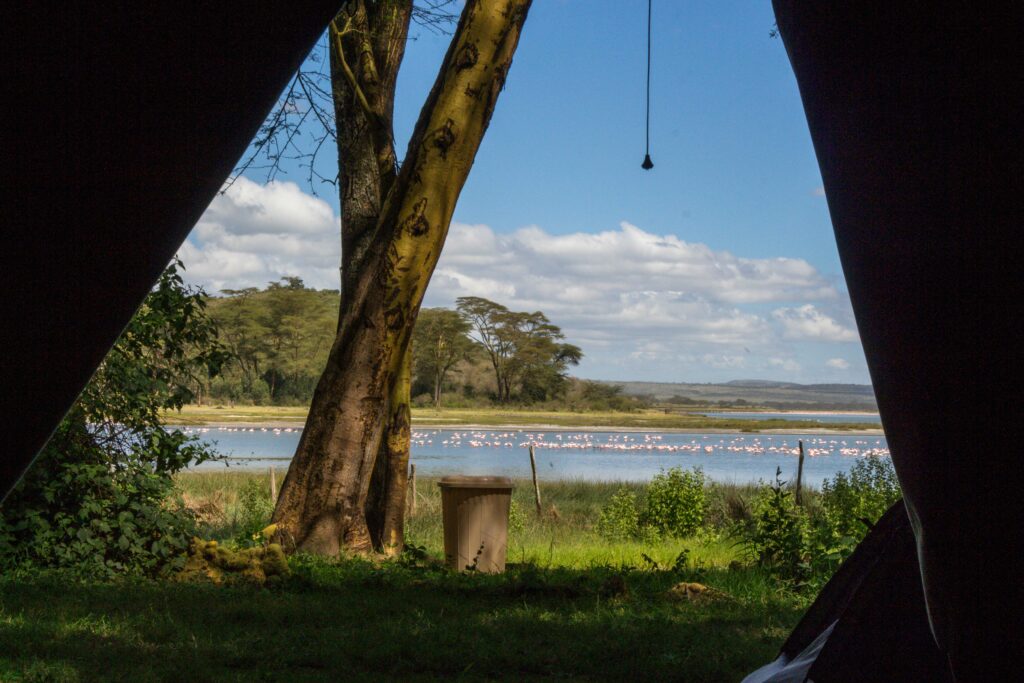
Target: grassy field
x=564, y=535
x=495, y=417
x=572, y=606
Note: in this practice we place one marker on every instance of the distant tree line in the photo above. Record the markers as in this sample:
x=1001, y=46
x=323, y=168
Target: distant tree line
x=278, y=338
x=478, y=354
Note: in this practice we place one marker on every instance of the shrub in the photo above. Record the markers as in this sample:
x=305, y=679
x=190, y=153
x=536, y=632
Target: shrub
x=253, y=511
x=853, y=502
x=97, y=499
x=424, y=400
x=777, y=535
x=675, y=502
x=80, y=512
x=620, y=518
x=862, y=496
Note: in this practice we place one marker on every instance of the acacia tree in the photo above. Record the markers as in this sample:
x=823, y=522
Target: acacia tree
x=542, y=359
x=524, y=348
x=346, y=484
x=488, y=320
x=439, y=342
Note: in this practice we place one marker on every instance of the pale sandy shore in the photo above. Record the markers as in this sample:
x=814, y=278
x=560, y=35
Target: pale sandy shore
x=283, y=424
x=791, y=412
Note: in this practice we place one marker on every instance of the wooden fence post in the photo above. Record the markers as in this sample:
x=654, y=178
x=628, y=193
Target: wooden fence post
x=799, y=473
x=536, y=486
x=273, y=487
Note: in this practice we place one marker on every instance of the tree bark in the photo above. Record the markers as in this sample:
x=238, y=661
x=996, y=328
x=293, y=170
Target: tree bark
x=385, y=504
x=438, y=380
x=356, y=438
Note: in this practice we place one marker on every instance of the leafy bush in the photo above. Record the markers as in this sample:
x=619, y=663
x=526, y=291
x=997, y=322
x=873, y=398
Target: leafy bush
x=253, y=511
x=675, y=502
x=862, y=496
x=80, y=512
x=777, y=535
x=97, y=499
x=851, y=503
x=620, y=518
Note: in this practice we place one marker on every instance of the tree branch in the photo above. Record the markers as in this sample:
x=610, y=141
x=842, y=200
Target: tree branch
x=346, y=69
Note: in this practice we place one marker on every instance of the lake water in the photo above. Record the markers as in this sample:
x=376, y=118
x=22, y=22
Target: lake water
x=569, y=454
x=824, y=418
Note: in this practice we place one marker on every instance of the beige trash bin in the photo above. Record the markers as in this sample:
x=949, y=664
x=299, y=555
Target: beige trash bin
x=475, y=514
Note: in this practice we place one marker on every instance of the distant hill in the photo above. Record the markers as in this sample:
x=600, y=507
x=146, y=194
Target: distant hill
x=762, y=393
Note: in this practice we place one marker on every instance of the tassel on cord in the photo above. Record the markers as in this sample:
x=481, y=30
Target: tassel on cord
x=648, y=164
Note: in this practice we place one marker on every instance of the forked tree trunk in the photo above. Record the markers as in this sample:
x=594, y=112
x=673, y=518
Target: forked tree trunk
x=346, y=484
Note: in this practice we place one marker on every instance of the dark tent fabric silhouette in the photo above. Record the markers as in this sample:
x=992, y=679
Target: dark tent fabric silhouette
x=119, y=133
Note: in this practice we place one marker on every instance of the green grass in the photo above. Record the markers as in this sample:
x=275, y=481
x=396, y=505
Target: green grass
x=357, y=621
x=571, y=605
x=495, y=417
x=193, y=414
x=563, y=535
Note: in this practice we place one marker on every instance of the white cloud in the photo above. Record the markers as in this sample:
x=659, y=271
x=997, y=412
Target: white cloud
x=807, y=322
x=628, y=259
x=630, y=296
x=837, y=364
x=819, y=191
x=253, y=234
x=272, y=209
x=785, y=364
x=655, y=306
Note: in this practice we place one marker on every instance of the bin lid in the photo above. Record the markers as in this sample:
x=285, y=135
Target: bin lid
x=466, y=482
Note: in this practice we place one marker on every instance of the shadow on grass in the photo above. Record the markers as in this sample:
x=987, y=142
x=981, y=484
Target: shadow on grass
x=355, y=620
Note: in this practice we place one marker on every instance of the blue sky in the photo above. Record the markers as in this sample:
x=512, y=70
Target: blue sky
x=718, y=264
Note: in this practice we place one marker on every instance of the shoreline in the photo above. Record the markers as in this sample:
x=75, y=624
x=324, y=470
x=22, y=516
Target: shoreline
x=282, y=424
x=832, y=413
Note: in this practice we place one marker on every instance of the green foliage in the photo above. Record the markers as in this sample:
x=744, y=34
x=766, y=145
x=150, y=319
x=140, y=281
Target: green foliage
x=777, y=535
x=440, y=341
x=853, y=502
x=97, y=499
x=516, y=519
x=525, y=350
x=673, y=508
x=675, y=502
x=253, y=512
x=584, y=395
x=279, y=339
x=620, y=518
x=861, y=496
x=74, y=510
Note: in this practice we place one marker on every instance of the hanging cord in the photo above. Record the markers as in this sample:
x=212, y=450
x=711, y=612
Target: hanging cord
x=648, y=164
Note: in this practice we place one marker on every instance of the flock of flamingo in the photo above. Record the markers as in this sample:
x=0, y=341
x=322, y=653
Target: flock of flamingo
x=650, y=443
x=814, y=446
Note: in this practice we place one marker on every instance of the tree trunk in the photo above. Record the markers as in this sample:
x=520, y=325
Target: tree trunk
x=385, y=504
x=438, y=381
x=498, y=383
x=393, y=229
